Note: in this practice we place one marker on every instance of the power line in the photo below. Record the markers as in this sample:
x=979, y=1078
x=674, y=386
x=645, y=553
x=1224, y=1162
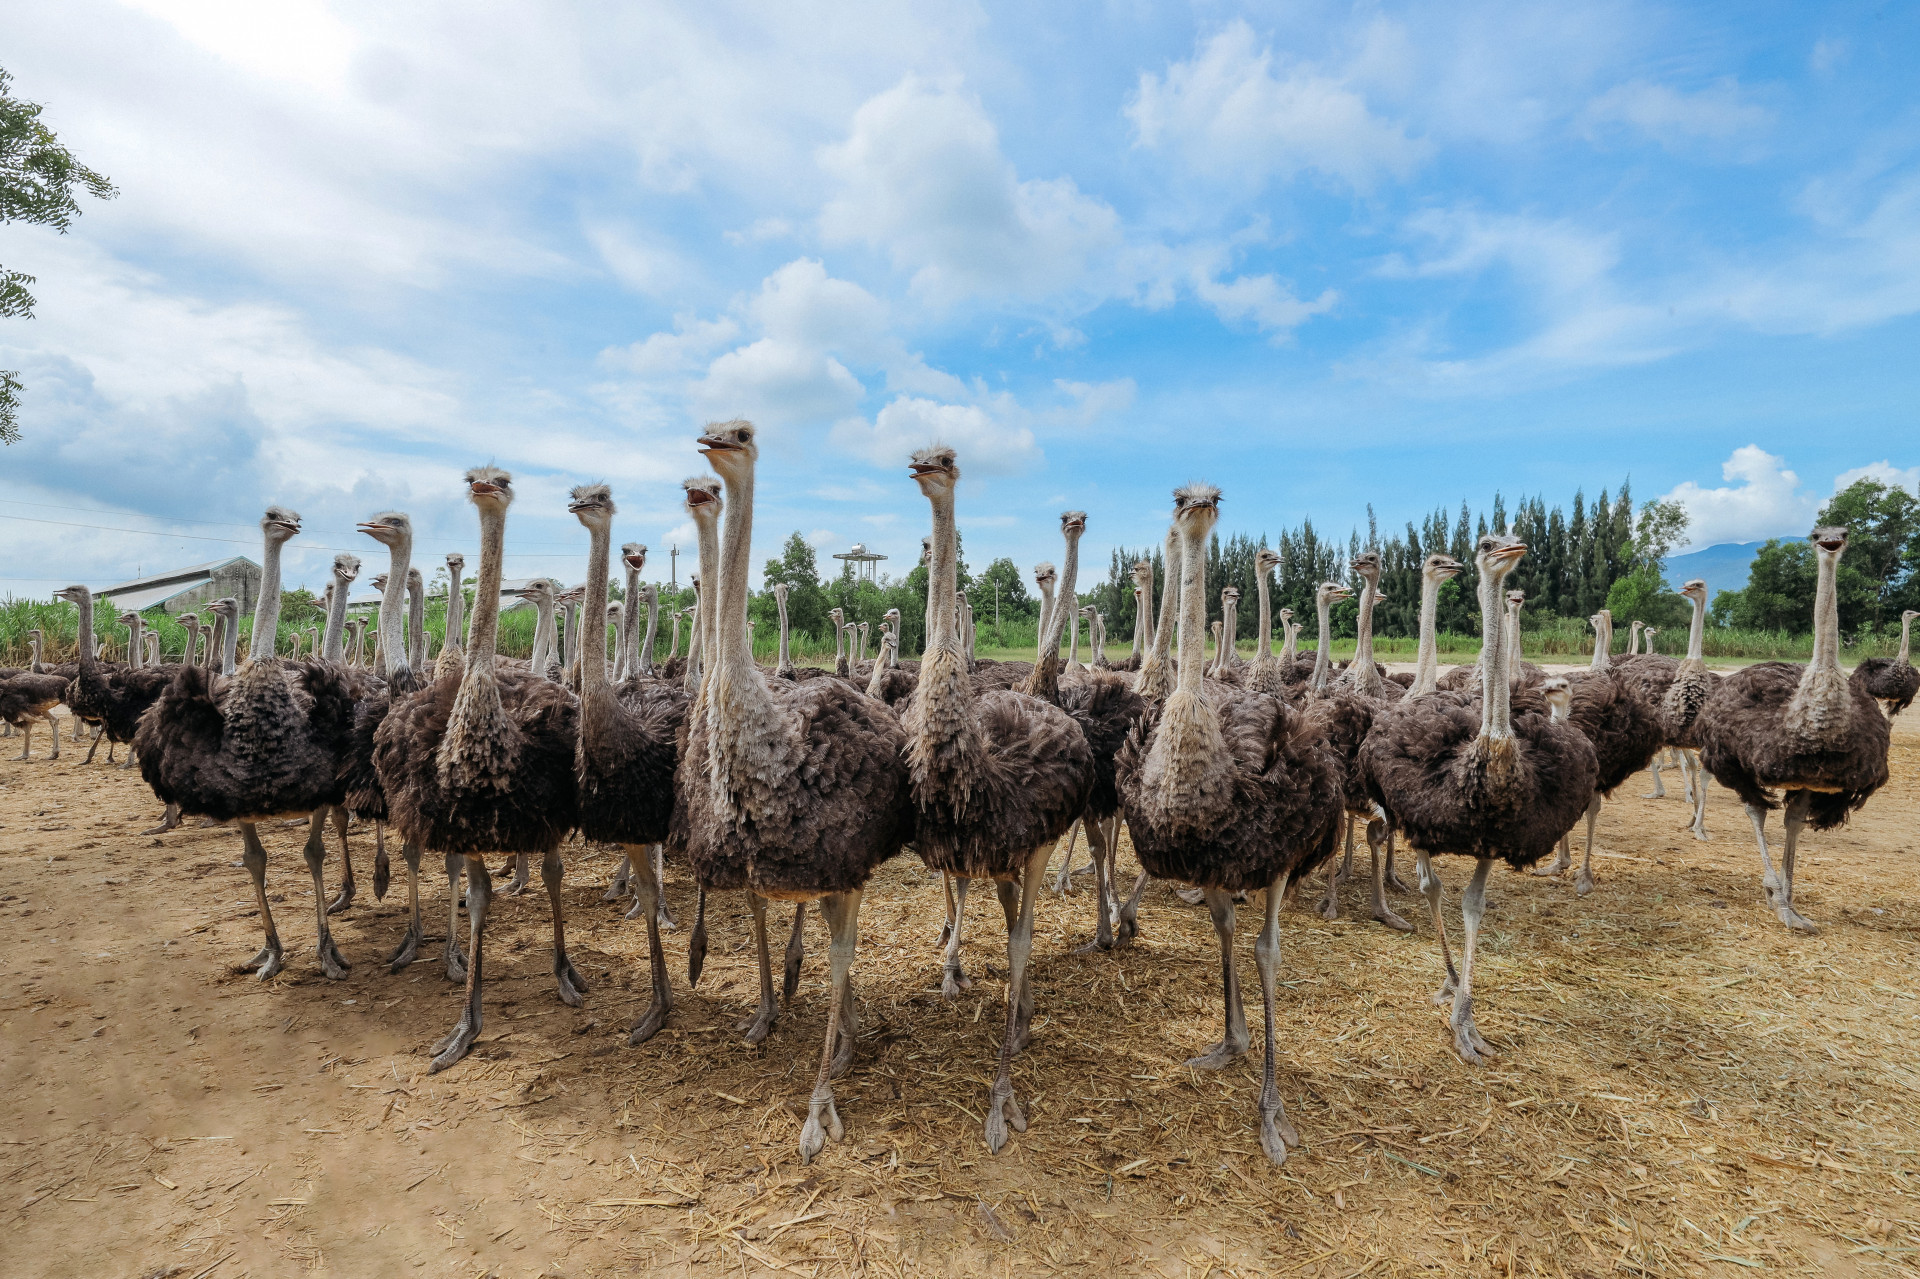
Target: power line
x=56, y=506
x=232, y=541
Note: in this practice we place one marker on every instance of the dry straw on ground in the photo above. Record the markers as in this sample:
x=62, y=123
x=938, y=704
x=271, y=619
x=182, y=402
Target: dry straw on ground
x=1683, y=1087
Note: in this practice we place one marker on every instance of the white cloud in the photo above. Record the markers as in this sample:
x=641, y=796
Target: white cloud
x=1828, y=54
x=922, y=176
x=1885, y=472
x=1261, y=299
x=987, y=443
x=1230, y=113
x=1095, y=400
x=642, y=264
x=778, y=383
x=1763, y=501
x=800, y=303
x=692, y=339
x=1678, y=120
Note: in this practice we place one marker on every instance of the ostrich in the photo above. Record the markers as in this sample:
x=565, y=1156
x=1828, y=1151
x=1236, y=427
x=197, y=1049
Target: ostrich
x=784, y=667
x=264, y=744
x=1624, y=727
x=633, y=558
x=1633, y=637
x=997, y=776
x=1263, y=675
x=1289, y=646
x=485, y=763
x=28, y=696
x=1893, y=681
x=115, y=700
x=1679, y=690
x=842, y=666
x=1348, y=716
x=1461, y=773
x=626, y=755
x=1807, y=730
x=1324, y=598
x=1231, y=791
x=1651, y=631
x=1155, y=679
x=795, y=792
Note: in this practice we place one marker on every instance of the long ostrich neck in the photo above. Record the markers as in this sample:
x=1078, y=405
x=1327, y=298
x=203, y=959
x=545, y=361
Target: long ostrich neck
x=593, y=666
x=456, y=607
x=572, y=637
x=1906, y=629
x=732, y=650
x=416, y=622
x=216, y=638
x=1366, y=674
x=1289, y=648
x=630, y=628
x=229, y=644
x=479, y=740
x=780, y=604
x=1323, y=609
x=1513, y=639
x=1426, y=671
x=1143, y=614
x=1496, y=708
x=1193, y=612
x=653, y=629
x=392, y=603
x=1826, y=617
x=336, y=640
x=136, y=651
x=1046, y=605
x=1602, y=642
x=943, y=579
x=1633, y=638
x=1266, y=615
x=1073, y=637
x=88, y=662
x=266, y=614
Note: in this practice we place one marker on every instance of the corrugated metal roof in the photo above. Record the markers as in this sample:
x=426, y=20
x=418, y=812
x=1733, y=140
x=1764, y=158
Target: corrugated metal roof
x=202, y=571
x=141, y=600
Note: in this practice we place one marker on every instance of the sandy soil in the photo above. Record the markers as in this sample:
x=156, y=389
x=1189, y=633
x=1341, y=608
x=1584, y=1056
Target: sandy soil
x=1684, y=1088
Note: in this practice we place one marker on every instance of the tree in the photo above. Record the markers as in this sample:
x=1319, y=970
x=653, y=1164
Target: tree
x=1000, y=586
x=1662, y=525
x=39, y=181
x=1883, y=531
x=798, y=570
x=1780, y=588
x=1642, y=595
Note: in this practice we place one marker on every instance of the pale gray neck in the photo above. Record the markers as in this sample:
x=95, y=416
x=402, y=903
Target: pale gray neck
x=136, y=651
x=786, y=661
x=1193, y=612
x=653, y=628
x=1046, y=606
x=944, y=578
x=542, y=631
x=1513, y=641
x=416, y=623
x=393, y=602
x=1266, y=615
x=1143, y=615
x=1366, y=676
x=630, y=628
x=456, y=606
x=1633, y=638
x=486, y=590
x=1166, y=620
x=1322, y=663
x=593, y=667
x=1073, y=637
x=335, y=643
x=1288, y=648
x=1067, y=603
x=1426, y=674
x=1697, y=632
x=1602, y=644
x=1906, y=629
x=1496, y=711
x=266, y=615
x=572, y=638
x=1826, y=617
x=230, y=645
x=732, y=650
x=840, y=639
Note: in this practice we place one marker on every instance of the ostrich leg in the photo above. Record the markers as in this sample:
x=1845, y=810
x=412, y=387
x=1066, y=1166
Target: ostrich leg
x=1330, y=904
x=660, y=880
x=1063, y=882
x=1394, y=882
x=1276, y=1134
x=697, y=941
x=796, y=951
x=1377, y=834
x=522, y=865
x=96, y=746
x=946, y=925
x=254, y=856
x=1432, y=889
x=457, y=1041
x=409, y=948
x=168, y=820
x=316, y=854
x=1583, y=882
x=380, y=871
x=1002, y=1108
x=842, y=913
x=1473, y=905
x=640, y=874
x=1780, y=886
x=756, y=1028
x=456, y=966
x=1659, y=790
x=26, y=740
x=952, y=979
x=621, y=884
x=1233, y=1042
x=1102, y=884
x=1561, y=860
x=572, y=986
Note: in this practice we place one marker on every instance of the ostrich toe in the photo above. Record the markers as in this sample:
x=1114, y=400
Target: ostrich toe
x=1383, y=913
x=814, y=1134
x=1003, y=1111
x=1466, y=1035
x=953, y=981
x=1191, y=896
x=268, y=962
x=1276, y=1134
x=1583, y=882
x=168, y=821
x=457, y=1043
x=407, y=951
x=759, y=1026
x=567, y=977
x=344, y=898
x=1218, y=1057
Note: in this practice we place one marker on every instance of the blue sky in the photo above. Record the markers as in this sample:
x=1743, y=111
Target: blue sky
x=1322, y=255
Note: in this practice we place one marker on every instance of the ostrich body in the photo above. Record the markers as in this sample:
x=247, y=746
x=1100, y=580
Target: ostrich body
x=485, y=763
x=1679, y=690
x=1809, y=731
x=1893, y=681
x=794, y=792
x=263, y=744
x=1479, y=776
x=997, y=776
x=1231, y=791
x=113, y=699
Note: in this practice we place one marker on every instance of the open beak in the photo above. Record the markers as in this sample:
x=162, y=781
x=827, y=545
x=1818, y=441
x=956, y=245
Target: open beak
x=711, y=444
x=483, y=489
x=375, y=530
x=698, y=497
x=1513, y=552
x=1830, y=544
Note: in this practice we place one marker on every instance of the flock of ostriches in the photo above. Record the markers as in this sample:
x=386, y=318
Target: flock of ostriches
x=1236, y=778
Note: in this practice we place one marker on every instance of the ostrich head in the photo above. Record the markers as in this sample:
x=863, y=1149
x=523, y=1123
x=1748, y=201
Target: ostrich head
x=592, y=505
x=1265, y=560
x=1044, y=574
x=1441, y=567
x=1331, y=593
x=1367, y=565
x=1559, y=696
x=780, y=593
x=1073, y=523
x=702, y=493
x=729, y=448
x=1829, y=539
x=633, y=555
x=538, y=591
x=389, y=528
x=1496, y=555
x=73, y=594
x=1695, y=590
x=935, y=469
x=280, y=524
x=346, y=568
x=1286, y=616
x=228, y=608
x=489, y=488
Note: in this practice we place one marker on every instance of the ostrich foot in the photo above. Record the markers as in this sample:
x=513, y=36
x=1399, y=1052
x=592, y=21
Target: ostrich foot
x=345, y=897
x=1466, y=1036
x=168, y=820
x=1002, y=1110
x=1700, y=832
x=518, y=884
x=1218, y=1057
x=1383, y=914
x=407, y=951
x=332, y=963
x=637, y=910
x=1444, y=995
x=953, y=981
x=456, y=963
x=650, y=1021
x=1095, y=946
x=1583, y=882
x=1191, y=896
x=1329, y=907
x=1276, y=1134
x=1794, y=919
x=269, y=961
x=759, y=1026
x=618, y=888
x=814, y=1134
x=567, y=977
x=664, y=917
x=455, y=1045
x=1395, y=884
x=1554, y=867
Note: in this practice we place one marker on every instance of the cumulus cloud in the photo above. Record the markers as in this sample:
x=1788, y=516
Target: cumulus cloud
x=778, y=383
x=1261, y=299
x=1885, y=472
x=1676, y=119
x=988, y=443
x=1095, y=400
x=1762, y=500
x=691, y=340
x=922, y=176
x=1231, y=111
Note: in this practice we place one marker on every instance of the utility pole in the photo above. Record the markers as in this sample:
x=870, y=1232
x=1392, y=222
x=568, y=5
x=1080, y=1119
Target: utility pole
x=674, y=556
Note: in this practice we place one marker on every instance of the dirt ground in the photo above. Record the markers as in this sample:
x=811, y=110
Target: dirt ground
x=1684, y=1088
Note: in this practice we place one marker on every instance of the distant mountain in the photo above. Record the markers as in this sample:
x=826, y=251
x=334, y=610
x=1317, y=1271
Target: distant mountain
x=1722, y=568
